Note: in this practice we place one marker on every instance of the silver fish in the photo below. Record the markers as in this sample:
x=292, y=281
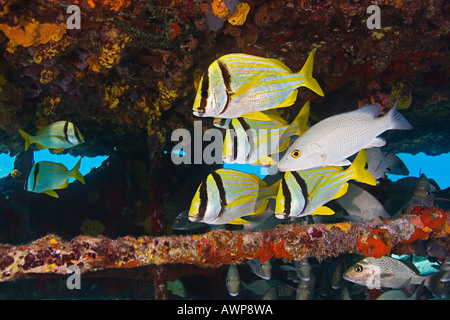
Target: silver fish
x=305, y=289
x=262, y=270
x=379, y=163
x=401, y=295
x=233, y=280
x=331, y=141
x=336, y=276
x=387, y=272
x=302, y=269
x=358, y=202
x=271, y=294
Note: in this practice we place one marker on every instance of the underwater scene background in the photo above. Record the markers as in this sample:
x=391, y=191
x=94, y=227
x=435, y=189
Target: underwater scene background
x=128, y=82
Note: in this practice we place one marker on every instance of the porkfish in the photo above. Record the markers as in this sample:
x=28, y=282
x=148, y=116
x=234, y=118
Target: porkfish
x=57, y=136
x=254, y=141
x=47, y=176
x=332, y=140
x=242, y=85
x=305, y=192
x=227, y=195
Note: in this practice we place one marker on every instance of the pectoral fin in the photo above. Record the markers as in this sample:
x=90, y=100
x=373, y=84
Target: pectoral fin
x=51, y=193
x=323, y=211
x=238, y=221
x=57, y=150
x=257, y=116
x=343, y=162
x=377, y=142
x=246, y=87
x=341, y=192
x=64, y=185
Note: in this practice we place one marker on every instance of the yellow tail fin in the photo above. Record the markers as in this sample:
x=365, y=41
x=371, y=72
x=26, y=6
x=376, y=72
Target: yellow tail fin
x=307, y=70
x=301, y=121
x=358, y=171
x=27, y=139
x=76, y=172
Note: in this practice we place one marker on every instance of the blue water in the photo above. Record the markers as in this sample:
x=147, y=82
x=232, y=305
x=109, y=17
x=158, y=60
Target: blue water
x=87, y=163
x=436, y=168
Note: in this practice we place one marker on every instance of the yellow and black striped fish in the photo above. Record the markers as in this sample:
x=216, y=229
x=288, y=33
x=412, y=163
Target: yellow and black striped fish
x=254, y=141
x=57, y=136
x=227, y=195
x=241, y=85
x=305, y=192
x=47, y=176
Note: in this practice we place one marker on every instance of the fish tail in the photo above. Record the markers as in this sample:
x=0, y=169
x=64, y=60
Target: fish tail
x=301, y=121
x=307, y=71
x=27, y=139
x=397, y=120
x=274, y=187
x=360, y=173
x=76, y=172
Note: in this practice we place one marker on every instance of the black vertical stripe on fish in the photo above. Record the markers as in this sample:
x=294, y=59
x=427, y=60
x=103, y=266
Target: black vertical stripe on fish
x=66, y=133
x=203, y=201
x=227, y=82
x=77, y=135
x=219, y=183
x=249, y=133
x=301, y=182
x=204, y=93
x=36, y=172
x=225, y=75
x=233, y=136
x=287, y=197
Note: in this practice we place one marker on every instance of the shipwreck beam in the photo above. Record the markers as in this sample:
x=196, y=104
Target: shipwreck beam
x=51, y=254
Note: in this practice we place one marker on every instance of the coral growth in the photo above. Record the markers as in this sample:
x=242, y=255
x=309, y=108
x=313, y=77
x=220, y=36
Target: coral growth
x=240, y=15
x=30, y=32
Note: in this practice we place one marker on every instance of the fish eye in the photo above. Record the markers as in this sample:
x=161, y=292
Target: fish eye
x=359, y=268
x=295, y=154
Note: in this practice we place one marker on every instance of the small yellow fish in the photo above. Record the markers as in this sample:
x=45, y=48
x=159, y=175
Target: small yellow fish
x=58, y=136
x=241, y=85
x=47, y=176
x=226, y=195
x=254, y=141
x=305, y=192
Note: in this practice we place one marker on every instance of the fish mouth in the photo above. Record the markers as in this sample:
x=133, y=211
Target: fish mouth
x=346, y=277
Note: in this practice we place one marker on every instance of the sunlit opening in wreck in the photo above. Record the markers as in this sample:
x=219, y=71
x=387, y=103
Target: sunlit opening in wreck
x=434, y=167
x=248, y=168
x=87, y=163
x=6, y=164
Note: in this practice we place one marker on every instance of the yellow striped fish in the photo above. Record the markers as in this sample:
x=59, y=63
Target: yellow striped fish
x=227, y=195
x=254, y=141
x=58, y=136
x=241, y=85
x=47, y=176
x=305, y=192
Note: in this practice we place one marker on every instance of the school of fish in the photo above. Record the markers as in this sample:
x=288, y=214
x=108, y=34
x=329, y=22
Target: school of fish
x=47, y=176
x=242, y=93
x=314, y=166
